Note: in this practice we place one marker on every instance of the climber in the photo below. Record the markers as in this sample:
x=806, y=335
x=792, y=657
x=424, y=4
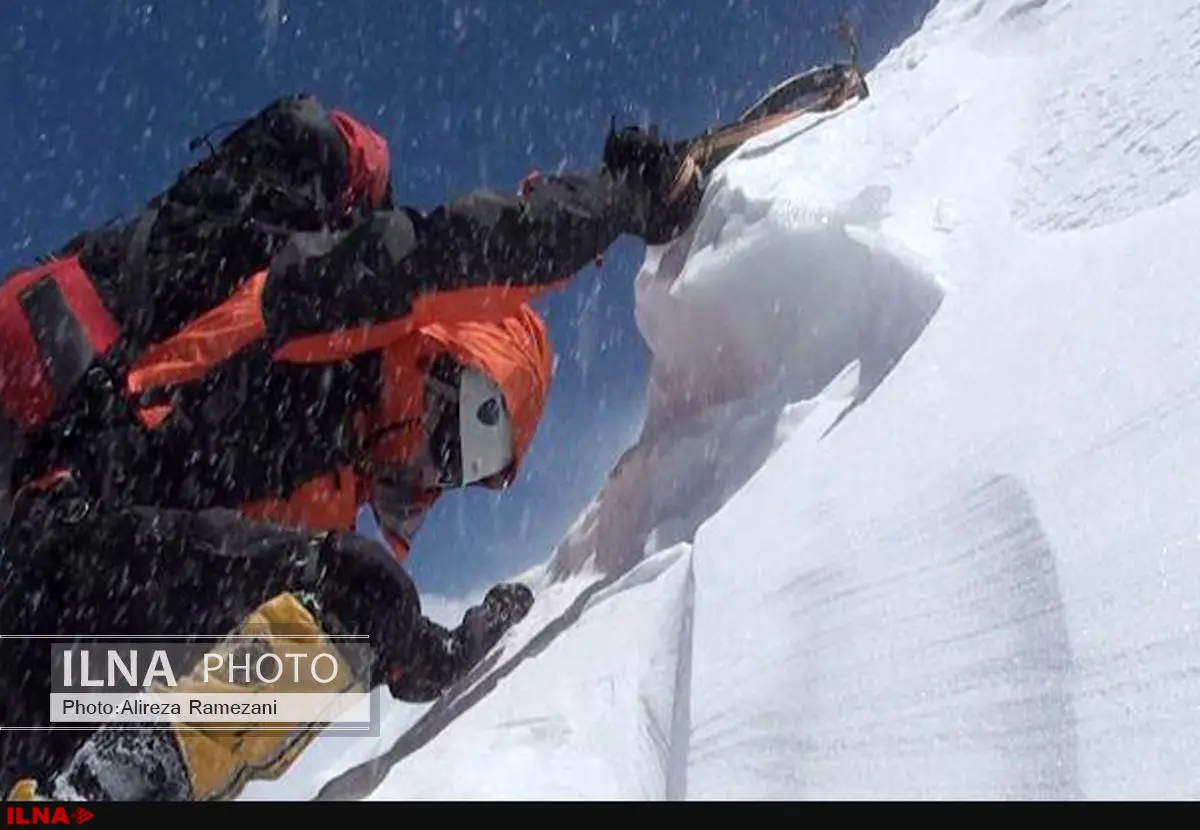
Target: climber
x=198, y=401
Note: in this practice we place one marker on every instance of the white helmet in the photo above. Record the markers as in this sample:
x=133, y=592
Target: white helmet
x=470, y=439
x=484, y=428
x=470, y=433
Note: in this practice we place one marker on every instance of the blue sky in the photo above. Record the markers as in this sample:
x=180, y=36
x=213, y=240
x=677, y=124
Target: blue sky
x=101, y=99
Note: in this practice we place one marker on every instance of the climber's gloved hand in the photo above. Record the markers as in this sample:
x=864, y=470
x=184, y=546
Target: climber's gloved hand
x=438, y=658
x=659, y=190
x=483, y=625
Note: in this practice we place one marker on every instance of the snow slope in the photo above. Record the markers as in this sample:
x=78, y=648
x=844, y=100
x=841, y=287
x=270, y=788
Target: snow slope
x=915, y=511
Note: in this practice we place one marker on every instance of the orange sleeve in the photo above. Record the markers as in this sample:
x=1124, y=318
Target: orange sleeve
x=484, y=304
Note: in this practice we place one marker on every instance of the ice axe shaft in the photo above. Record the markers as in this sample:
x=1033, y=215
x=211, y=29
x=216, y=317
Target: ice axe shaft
x=820, y=89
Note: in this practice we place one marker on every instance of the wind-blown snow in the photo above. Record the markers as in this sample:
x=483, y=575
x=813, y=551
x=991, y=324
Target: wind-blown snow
x=914, y=514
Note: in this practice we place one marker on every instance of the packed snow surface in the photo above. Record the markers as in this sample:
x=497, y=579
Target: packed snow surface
x=916, y=508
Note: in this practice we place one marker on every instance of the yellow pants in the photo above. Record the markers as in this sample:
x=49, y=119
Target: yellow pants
x=221, y=763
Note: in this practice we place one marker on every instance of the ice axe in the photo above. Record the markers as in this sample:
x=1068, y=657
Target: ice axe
x=819, y=89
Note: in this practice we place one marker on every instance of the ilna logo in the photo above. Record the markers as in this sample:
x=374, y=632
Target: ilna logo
x=46, y=815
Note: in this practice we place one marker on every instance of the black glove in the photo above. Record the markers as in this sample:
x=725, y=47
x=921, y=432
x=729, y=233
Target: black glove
x=434, y=658
x=659, y=190
x=482, y=627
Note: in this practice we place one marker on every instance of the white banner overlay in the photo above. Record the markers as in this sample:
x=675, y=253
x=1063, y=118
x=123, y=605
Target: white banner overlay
x=345, y=708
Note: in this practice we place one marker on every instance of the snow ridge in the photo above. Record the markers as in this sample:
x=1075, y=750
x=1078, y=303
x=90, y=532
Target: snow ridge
x=681, y=709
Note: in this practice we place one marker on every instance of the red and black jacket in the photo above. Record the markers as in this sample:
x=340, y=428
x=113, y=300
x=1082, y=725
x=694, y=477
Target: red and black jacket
x=292, y=208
